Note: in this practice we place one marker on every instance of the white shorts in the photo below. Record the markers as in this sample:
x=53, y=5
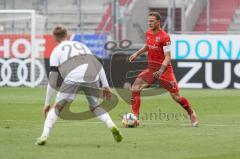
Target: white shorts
x=68, y=92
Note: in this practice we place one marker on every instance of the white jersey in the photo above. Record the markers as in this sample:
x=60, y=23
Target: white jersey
x=67, y=49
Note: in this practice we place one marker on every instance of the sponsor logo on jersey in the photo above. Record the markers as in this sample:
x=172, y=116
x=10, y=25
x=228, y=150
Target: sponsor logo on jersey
x=153, y=46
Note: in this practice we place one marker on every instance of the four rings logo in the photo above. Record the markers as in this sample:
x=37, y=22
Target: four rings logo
x=16, y=64
x=16, y=72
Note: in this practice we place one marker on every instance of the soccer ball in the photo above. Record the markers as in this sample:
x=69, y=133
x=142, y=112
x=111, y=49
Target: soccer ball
x=129, y=120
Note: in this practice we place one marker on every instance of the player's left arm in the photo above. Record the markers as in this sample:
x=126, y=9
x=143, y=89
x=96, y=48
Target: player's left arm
x=167, y=58
x=50, y=91
x=53, y=82
x=105, y=85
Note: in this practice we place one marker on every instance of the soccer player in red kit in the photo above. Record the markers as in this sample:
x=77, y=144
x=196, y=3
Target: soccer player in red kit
x=158, y=46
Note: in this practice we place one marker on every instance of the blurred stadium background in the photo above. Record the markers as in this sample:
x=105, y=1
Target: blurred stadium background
x=205, y=51
x=205, y=35
x=26, y=33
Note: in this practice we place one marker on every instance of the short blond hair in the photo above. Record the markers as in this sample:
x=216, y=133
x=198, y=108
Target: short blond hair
x=59, y=33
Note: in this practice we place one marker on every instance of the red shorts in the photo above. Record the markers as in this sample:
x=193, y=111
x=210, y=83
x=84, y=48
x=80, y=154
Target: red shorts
x=167, y=80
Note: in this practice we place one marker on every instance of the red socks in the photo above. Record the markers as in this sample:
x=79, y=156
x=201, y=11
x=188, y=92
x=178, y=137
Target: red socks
x=186, y=105
x=136, y=101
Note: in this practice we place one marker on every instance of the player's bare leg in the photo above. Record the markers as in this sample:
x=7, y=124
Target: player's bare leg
x=137, y=86
x=55, y=111
x=186, y=105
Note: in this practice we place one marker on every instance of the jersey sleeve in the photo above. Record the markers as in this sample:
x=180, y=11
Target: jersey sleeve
x=103, y=78
x=54, y=59
x=167, y=44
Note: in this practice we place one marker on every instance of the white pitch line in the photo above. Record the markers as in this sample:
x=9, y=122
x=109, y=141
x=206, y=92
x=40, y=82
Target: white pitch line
x=142, y=123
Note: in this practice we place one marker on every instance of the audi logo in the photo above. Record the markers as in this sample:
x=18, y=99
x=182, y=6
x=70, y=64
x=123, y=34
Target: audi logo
x=22, y=72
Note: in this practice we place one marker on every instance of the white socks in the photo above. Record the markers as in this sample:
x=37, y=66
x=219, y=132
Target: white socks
x=104, y=117
x=49, y=122
x=52, y=118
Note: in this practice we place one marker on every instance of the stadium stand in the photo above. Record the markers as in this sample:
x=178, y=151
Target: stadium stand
x=221, y=16
x=78, y=16
x=106, y=21
x=235, y=24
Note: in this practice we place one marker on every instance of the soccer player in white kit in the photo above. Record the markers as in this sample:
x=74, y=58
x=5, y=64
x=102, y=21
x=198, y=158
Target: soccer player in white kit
x=79, y=70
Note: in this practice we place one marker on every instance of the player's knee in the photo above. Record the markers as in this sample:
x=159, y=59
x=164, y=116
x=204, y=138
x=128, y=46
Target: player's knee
x=175, y=97
x=135, y=89
x=62, y=103
x=57, y=108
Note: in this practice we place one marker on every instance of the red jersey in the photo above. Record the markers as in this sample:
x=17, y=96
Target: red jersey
x=157, y=43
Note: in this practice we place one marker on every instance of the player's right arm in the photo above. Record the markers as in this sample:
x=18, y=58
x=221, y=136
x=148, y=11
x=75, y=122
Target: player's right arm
x=139, y=52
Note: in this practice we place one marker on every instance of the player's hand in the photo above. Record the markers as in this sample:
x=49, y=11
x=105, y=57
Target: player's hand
x=46, y=109
x=132, y=57
x=106, y=93
x=157, y=74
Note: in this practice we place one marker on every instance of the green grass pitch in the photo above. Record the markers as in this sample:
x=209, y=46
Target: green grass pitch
x=163, y=135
